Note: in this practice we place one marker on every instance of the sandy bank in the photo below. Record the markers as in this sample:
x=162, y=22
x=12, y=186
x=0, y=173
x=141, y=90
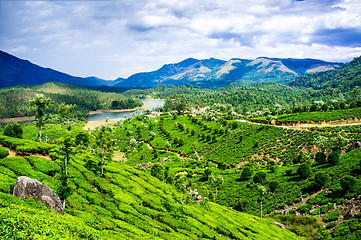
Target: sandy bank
x=91, y=125
x=17, y=119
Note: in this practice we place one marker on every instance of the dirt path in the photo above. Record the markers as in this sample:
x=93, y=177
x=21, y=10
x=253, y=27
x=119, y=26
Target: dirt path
x=304, y=126
x=13, y=153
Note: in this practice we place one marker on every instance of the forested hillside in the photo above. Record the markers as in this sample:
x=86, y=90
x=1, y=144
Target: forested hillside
x=343, y=79
x=15, y=100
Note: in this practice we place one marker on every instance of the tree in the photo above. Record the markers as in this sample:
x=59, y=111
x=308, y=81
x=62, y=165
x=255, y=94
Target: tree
x=260, y=177
x=320, y=142
x=304, y=170
x=347, y=183
x=64, y=189
x=176, y=103
x=104, y=144
x=320, y=157
x=41, y=103
x=333, y=158
x=67, y=144
x=180, y=182
x=158, y=171
x=273, y=185
x=262, y=192
x=215, y=180
x=65, y=114
x=13, y=129
x=321, y=179
x=356, y=94
x=246, y=173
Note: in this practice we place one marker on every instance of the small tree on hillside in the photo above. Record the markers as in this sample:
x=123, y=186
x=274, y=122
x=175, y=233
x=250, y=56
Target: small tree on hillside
x=41, y=104
x=304, y=170
x=246, y=173
x=104, y=144
x=333, y=158
x=347, y=183
x=13, y=129
x=320, y=157
x=158, y=171
x=262, y=193
x=215, y=180
x=321, y=179
x=260, y=177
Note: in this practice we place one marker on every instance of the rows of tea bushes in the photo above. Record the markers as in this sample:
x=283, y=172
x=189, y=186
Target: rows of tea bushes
x=125, y=203
x=274, y=151
x=319, y=116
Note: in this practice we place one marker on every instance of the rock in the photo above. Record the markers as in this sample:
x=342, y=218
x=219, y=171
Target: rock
x=280, y=225
x=354, y=146
x=29, y=188
x=352, y=213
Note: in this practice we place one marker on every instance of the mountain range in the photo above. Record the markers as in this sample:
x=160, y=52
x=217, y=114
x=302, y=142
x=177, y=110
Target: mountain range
x=205, y=73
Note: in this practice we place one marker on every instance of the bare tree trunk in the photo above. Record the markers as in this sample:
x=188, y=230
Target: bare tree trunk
x=216, y=192
x=261, y=209
x=66, y=165
x=40, y=134
x=64, y=204
x=102, y=167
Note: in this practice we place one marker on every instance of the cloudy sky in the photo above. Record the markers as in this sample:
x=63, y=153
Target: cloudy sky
x=111, y=39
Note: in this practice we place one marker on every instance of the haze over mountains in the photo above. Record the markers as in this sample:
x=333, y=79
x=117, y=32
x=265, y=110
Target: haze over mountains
x=205, y=73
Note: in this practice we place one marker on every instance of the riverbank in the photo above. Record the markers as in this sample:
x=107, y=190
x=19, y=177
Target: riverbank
x=99, y=111
x=17, y=119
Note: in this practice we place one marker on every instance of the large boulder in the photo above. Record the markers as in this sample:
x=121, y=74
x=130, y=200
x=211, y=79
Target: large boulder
x=29, y=188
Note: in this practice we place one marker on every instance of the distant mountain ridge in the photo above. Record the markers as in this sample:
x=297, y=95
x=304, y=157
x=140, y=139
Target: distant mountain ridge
x=15, y=71
x=205, y=73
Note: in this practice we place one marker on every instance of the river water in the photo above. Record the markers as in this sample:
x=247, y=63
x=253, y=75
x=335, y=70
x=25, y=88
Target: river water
x=115, y=115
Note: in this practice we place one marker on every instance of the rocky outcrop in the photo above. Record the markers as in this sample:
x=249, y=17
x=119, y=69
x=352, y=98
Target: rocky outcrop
x=30, y=188
x=280, y=225
x=354, y=146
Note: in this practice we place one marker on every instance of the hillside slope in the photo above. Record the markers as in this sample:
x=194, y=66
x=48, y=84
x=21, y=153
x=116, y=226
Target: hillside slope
x=15, y=71
x=127, y=203
x=342, y=79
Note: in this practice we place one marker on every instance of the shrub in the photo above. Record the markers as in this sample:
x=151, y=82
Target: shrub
x=304, y=170
x=305, y=208
x=347, y=182
x=273, y=185
x=158, y=171
x=246, y=173
x=3, y=152
x=13, y=129
x=332, y=216
x=320, y=157
x=260, y=177
x=321, y=179
x=333, y=158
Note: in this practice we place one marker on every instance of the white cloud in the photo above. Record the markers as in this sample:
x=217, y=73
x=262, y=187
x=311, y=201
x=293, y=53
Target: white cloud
x=111, y=39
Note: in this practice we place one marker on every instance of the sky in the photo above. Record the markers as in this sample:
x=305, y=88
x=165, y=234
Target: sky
x=110, y=39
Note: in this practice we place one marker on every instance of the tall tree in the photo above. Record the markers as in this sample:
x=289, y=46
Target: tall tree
x=104, y=144
x=216, y=180
x=41, y=104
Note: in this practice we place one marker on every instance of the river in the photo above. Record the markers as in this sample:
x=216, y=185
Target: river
x=115, y=115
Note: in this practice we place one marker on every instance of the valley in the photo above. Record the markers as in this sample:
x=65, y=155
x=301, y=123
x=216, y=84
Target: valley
x=231, y=161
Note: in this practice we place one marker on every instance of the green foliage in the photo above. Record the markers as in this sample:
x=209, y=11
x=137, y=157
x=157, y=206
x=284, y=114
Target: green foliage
x=260, y=177
x=321, y=179
x=158, y=171
x=304, y=170
x=332, y=216
x=246, y=173
x=347, y=182
x=333, y=158
x=320, y=157
x=13, y=129
x=3, y=152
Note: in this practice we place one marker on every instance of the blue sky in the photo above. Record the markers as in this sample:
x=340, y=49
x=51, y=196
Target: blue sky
x=111, y=39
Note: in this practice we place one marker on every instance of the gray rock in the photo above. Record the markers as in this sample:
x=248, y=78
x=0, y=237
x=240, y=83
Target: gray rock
x=354, y=146
x=29, y=188
x=280, y=225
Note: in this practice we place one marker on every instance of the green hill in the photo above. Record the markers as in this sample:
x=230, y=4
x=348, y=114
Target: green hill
x=15, y=100
x=342, y=79
x=126, y=203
